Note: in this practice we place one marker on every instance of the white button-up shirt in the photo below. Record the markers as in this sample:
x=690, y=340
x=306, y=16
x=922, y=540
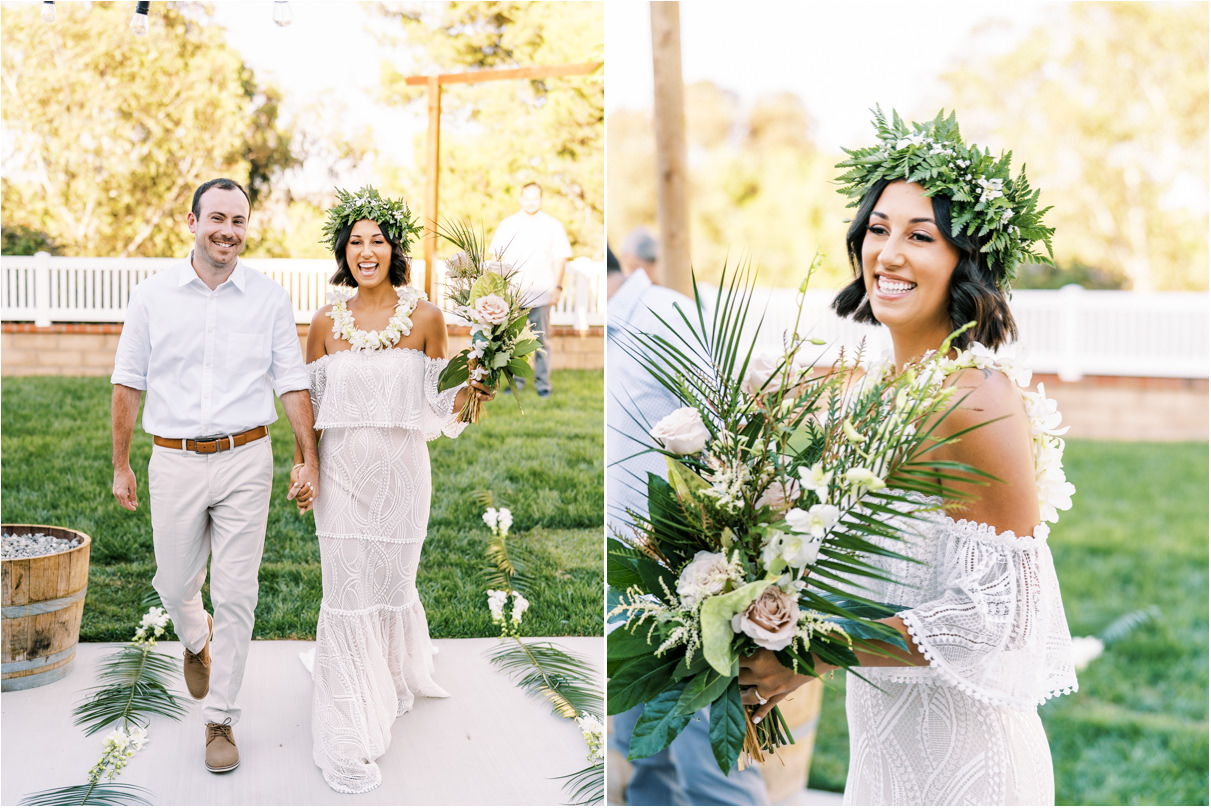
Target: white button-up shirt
x=532, y=244
x=210, y=361
x=635, y=399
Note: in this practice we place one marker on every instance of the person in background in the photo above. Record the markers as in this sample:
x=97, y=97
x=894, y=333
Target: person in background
x=640, y=250
x=535, y=243
x=685, y=773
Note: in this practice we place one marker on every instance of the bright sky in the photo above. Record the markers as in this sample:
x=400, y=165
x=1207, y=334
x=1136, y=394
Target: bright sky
x=328, y=49
x=841, y=58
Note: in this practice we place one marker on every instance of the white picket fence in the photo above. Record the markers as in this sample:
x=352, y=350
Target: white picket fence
x=1072, y=332
x=49, y=289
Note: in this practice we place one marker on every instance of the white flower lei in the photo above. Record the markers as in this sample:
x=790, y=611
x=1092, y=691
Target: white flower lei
x=1054, y=490
x=400, y=324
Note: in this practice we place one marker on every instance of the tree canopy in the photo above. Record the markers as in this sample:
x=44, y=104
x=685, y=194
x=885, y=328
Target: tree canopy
x=108, y=134
x=1106, y=103
x=499, y=135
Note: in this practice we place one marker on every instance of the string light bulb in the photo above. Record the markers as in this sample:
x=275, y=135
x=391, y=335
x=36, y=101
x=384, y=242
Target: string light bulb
x=139, y=23
x=282, y=15
x=49, y=14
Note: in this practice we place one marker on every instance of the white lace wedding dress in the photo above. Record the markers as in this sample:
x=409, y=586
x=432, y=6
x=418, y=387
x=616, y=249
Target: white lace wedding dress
x=373, y=654
x=985, y=609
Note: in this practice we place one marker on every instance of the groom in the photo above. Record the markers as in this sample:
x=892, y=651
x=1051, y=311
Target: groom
x=210, y=341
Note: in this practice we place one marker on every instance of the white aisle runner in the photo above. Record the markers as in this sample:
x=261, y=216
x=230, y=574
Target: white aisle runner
x=489, y=744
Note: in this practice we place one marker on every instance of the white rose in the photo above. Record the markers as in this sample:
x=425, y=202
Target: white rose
x=761, y=368
x=706, y=575
x=770, y=620
x=491, y=310
x=682, y=432
x=779, y=495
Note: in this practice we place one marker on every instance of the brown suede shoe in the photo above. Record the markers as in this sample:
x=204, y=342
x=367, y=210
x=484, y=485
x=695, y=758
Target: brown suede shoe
x=221, y=752
x=197, y=667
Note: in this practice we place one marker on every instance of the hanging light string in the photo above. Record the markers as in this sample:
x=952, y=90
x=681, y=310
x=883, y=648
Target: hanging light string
x=139, y=23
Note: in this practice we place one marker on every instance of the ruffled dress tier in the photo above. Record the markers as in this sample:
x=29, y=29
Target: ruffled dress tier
x=377, y=410
x=984, y=608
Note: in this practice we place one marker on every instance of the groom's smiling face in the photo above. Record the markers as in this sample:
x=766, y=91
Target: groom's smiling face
x=220, y=226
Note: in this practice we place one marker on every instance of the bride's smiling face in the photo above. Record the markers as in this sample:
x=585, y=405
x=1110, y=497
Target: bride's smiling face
x=906, y=262
x=368, y=253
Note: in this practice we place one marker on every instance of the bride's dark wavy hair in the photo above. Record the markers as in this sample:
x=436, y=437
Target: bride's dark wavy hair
x=974, y=294
x=399, y=273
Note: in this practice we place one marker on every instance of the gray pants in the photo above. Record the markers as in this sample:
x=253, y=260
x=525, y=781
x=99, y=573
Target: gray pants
x=540, y=320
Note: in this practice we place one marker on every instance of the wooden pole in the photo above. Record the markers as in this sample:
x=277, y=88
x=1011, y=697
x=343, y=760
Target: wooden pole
x=672, y=183
x=432, y=158
x=433, y=141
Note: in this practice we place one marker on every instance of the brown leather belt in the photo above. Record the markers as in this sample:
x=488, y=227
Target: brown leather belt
x=212, y=445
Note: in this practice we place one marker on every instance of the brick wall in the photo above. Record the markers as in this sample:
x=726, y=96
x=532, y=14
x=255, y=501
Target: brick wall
x=67, y=349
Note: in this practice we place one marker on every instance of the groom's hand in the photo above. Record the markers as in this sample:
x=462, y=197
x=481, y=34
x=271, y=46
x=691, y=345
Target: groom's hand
x=126, y=489
x=764, y=681
x=304, y=486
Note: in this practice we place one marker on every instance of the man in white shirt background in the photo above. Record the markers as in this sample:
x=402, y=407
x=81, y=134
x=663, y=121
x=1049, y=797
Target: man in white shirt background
x=535, y=243
x=210, y=341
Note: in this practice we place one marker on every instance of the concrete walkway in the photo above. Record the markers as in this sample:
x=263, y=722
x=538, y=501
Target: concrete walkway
x=489, y=744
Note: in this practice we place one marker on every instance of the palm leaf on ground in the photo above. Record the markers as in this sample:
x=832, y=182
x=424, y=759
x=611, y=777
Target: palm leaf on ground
x=134, y=687
x=90, y=794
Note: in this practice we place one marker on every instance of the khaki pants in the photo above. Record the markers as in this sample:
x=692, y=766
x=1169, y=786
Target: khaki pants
x=212, y=506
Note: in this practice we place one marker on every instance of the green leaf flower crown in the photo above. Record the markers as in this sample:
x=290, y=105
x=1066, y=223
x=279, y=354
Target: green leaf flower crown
x=392, y=215
x=985, y=198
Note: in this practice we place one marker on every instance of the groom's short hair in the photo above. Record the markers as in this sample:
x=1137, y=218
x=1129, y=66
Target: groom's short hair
x=223, y=184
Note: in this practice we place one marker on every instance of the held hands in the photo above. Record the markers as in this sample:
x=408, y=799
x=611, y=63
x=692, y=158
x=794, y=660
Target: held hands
x=304, y=486
x=764, y=681
x=126, y=488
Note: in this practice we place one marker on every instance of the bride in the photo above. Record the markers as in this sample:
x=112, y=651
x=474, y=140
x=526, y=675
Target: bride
x=935, y=242
x=374, y=362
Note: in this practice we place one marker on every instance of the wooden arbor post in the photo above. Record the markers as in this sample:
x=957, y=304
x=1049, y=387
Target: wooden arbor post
x=433, y=141
x=672, y=198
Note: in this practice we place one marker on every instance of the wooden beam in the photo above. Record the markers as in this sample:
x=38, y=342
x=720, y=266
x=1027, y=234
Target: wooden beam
x=432, y=164
x=537, y=72
x=672, y=182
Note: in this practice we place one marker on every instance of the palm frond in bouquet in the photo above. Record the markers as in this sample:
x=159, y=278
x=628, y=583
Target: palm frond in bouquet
x=783, y=480
x=483, y=292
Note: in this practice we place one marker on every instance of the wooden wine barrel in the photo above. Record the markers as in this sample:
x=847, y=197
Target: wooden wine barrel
x=43, y=600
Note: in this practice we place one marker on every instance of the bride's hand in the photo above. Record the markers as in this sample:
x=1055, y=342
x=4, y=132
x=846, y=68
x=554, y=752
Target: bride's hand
x=764, y=681
x=482, y=391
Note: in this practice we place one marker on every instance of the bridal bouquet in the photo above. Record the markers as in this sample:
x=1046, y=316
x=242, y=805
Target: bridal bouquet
x=482, y=290
x=780, y=476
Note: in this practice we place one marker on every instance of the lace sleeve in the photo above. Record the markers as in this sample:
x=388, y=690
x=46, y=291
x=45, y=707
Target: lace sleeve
x=997, y=630
x=439, y=417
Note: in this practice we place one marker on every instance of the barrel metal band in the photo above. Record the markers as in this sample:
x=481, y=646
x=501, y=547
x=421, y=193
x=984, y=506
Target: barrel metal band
x=45, y=606
x=30, y=664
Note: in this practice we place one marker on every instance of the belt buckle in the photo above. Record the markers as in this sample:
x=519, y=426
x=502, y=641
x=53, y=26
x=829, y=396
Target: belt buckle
x=217, y=447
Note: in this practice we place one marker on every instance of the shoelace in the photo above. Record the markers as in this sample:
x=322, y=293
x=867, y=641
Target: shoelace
x=214, y=730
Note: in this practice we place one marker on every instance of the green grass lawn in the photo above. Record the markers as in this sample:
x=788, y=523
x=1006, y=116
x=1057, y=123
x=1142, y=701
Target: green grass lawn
x=1136, y=732
x=545, y=465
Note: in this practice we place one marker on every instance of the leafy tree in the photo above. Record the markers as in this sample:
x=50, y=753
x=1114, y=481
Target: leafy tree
x=760, y=188
x=499, y=135
x=111, y=132
x=1106, y=103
